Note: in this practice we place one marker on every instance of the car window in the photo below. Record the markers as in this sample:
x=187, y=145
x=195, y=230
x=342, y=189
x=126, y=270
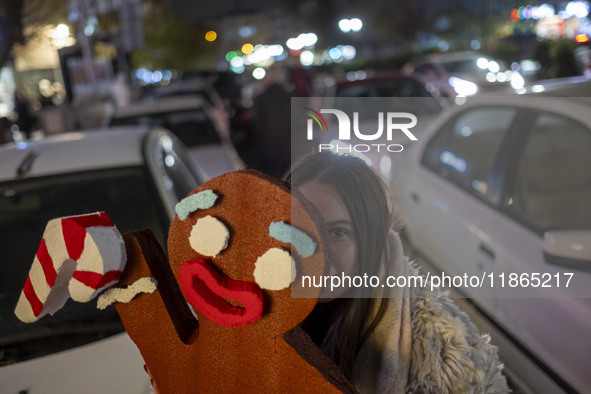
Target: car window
x=428, y=69
x=128, y=197
x=552, y=188
x=368, y=108
x=192, y=127
x=465, y=149
x=384, y=88
x=169, y=162
x=462, y=66
x=205, y=93
x=406, y=95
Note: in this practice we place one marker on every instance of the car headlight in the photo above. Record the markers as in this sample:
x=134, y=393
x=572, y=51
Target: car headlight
x=517, y=81
x=463, y=87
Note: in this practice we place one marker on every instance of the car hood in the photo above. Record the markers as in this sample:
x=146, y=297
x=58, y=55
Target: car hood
x=112, y=365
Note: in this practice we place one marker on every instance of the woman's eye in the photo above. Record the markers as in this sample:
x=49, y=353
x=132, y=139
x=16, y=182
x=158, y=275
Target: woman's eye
x=339, y=233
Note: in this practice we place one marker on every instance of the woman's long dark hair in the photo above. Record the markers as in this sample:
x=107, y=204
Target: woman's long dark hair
x=341, y=326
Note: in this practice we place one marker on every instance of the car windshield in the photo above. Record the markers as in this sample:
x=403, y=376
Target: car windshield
x=381, y=96
x=383, y=88
x=192, y=127
x=462, y=66
x=125, y=194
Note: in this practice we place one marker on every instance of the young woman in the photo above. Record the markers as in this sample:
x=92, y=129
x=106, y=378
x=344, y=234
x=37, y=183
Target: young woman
x=401, y=340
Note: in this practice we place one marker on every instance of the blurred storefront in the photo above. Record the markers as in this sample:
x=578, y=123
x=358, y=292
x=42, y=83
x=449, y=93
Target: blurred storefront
x=550, y=23
x=36, y=74
x=66, y=72
x=566, y=28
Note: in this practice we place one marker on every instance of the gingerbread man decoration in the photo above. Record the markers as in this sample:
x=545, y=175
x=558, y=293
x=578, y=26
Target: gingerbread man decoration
x=217, y=315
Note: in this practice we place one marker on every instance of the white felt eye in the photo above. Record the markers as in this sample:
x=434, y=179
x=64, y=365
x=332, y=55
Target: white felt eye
x=209, y=236
x=275, y=270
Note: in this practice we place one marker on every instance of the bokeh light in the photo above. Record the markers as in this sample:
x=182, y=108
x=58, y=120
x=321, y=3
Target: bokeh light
x=334, y=53
x=302, y=41
x=482, y=63
x=294, y=44
x=247, y=48
x=230, y=55
x=246, y=31
x=60, y=36
x=345, y=25
x=355, y=24
x=493, y=66
x=237, y=62
x=211, y=35
x=237, y=70
x=306, y=58
x=347, y=51
x=258, y=73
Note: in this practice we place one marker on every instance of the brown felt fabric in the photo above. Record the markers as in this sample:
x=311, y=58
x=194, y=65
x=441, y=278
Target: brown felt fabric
x=217, y=359
x=158, y=268
x=304, y=345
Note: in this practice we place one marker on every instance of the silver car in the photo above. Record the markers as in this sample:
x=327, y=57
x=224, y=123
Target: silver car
x=136, y=175
x=200, y=126
x=499, y=190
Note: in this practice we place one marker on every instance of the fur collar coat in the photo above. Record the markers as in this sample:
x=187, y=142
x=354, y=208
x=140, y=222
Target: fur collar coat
x=424, y=344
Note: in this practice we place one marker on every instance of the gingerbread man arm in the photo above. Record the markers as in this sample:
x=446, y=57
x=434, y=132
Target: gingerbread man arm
x=160, y=323
x=146, y=259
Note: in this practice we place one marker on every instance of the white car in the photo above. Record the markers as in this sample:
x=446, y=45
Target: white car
x=136, y=175
x=465, y=73
x=499, y=189
x=202, y=128
x=579, y=86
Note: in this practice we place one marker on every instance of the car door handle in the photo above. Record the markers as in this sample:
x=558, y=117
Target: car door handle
x=487, y=251
x=415, y=197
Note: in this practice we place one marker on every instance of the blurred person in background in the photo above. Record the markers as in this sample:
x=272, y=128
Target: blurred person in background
x=300, y=82
x=120, y=90
x=5, y=134
x=398, y=339
x=24, y=117
x=272, y=119
x=240, y=114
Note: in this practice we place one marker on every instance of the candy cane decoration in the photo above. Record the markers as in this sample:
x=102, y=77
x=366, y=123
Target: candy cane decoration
x=78, y=257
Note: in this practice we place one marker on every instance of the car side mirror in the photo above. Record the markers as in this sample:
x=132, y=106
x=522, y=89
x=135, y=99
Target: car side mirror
x=568, y=248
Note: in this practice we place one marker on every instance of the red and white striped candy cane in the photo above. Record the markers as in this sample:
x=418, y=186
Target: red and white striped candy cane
x=78, y=257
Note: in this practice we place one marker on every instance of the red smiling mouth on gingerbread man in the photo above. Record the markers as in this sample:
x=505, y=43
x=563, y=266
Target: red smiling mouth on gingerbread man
x=218, y=314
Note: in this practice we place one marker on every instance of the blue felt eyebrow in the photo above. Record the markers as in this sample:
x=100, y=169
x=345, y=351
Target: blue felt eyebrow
x=301, y=241
x=202, y=200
